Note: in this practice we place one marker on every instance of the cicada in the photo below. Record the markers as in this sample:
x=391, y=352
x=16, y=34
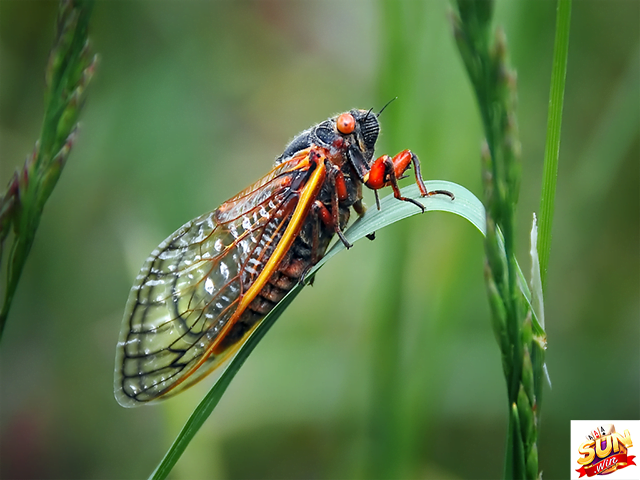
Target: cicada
x=204, y=290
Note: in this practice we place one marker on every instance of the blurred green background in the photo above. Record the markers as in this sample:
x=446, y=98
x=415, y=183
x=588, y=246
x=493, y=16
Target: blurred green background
x=191, y=102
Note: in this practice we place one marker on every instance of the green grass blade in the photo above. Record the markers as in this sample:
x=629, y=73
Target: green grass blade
x=554, y=124
x=466, y=205
x=391, y=210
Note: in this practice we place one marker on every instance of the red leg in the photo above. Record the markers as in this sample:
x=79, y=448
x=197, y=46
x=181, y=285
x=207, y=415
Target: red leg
x=331, y=217
x=323, y=213
x=385, y=171
x=341, y=186
x=393, y=181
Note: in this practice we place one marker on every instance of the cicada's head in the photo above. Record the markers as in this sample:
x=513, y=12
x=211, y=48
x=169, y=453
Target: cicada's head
x=359, y=129
x=351, y=134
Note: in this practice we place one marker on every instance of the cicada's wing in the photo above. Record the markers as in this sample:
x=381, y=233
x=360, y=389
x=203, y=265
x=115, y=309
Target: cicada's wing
x=173, y=328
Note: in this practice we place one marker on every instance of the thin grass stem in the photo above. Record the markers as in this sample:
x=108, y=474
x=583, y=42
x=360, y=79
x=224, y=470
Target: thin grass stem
x=554, y=124
x=71, y=66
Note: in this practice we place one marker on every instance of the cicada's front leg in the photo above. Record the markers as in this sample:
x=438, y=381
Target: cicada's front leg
x=385, y=171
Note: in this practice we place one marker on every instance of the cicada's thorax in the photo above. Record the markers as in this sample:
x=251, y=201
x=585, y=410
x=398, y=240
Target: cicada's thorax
x=350, y=155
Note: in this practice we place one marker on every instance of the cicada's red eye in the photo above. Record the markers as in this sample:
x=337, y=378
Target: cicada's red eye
x=345, y=123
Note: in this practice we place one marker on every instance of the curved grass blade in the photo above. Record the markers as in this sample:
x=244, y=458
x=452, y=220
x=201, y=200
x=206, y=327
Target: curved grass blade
x=391, y=210
x=466, y=204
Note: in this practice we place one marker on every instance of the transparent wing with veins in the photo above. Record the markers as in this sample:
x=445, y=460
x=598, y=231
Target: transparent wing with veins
x=191, y=285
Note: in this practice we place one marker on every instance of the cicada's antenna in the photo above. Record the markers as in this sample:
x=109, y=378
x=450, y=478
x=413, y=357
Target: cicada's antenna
x=367, y=115
x=386, y=105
